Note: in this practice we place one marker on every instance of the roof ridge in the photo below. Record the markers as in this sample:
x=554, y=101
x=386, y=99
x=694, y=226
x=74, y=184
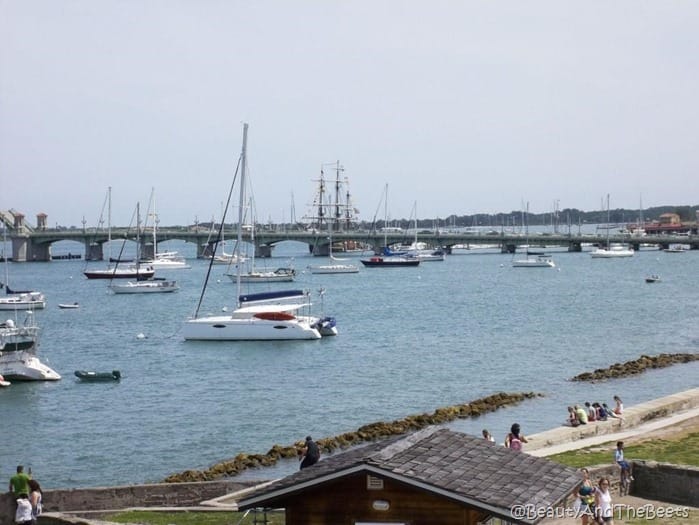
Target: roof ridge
x=404, y=443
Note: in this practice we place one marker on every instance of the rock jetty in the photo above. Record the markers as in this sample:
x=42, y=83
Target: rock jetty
x=366, y=433
x=638, y=366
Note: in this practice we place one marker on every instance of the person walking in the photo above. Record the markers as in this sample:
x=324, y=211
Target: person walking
x=586, y=492
x=310, y=454
x=603, y=503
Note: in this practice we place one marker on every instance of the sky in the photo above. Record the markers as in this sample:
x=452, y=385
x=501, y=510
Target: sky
x=458, y=106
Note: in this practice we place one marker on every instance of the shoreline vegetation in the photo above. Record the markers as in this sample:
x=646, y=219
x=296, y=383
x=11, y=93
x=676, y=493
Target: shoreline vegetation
x=366, y=433
x=637, y=366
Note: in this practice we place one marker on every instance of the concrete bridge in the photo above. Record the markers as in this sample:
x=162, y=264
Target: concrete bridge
x=35, y=245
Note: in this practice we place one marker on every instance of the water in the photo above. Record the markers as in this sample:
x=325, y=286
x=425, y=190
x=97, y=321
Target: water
x=411, y=340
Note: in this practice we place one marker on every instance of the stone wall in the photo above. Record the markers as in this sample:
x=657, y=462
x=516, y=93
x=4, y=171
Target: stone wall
x=666, y=482
x=106, y=498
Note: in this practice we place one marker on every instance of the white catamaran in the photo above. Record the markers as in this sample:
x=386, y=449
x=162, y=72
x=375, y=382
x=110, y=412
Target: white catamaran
x=263, y=317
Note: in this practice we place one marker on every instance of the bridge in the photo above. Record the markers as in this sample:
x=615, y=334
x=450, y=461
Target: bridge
x=35, y=244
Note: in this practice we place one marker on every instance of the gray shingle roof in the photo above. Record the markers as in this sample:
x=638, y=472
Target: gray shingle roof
x=455, y=465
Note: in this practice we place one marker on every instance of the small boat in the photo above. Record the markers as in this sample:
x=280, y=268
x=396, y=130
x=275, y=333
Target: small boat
x=89, y=375
x=149, y=286
x=67, y=306
x=3, y=382
x=652, y=279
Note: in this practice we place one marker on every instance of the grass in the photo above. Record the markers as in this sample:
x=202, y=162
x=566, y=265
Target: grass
x=680, y=452
x=194, y=518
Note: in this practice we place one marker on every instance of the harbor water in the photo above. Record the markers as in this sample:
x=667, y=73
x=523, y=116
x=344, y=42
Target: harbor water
x=411, y=340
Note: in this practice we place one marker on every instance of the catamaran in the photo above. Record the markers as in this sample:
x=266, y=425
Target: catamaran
x=262, y=317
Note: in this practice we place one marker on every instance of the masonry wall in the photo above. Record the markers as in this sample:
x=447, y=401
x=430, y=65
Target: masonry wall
x=106, y=498
x=666, y=482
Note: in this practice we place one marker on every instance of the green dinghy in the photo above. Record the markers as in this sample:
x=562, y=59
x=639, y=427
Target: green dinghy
x=88, y=375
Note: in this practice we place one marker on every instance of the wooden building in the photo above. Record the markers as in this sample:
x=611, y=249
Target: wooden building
x=428, y=477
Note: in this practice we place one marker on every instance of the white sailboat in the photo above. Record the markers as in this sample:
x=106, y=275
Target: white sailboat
x=162, y=260
x=539, y=260
x=138, y=285
x=262, y=317
x=253, y=275
x=115, y=272
x=14, y=300
x=611, y=251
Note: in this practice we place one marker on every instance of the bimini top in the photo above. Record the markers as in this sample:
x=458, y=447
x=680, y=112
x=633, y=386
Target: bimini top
x=270, y=296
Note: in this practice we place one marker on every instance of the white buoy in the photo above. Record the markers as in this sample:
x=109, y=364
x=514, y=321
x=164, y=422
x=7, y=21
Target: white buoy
x=141, y=336
x=224, y=309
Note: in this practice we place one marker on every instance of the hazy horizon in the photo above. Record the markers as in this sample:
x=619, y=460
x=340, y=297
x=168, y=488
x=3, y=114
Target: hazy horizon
x=459, y=107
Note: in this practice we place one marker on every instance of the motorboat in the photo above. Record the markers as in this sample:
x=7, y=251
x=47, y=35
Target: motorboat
x=69, y=306
x=652, y=279
x=4, y=383
x=148, y=286
x=270, y=316
x=167, y=263
x=90, y=375
x=15, y=338
x=18, y=360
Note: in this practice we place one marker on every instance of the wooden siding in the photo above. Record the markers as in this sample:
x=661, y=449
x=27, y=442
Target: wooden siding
x=347, y=501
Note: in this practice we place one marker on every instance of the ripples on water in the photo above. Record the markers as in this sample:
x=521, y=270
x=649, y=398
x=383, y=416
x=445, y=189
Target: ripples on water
x=411, y=340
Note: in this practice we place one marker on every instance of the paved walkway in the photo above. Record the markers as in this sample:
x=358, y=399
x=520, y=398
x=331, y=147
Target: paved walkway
x=621, y=435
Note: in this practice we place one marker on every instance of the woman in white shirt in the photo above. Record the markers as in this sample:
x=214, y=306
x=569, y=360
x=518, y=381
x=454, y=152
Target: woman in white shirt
x=603, y=503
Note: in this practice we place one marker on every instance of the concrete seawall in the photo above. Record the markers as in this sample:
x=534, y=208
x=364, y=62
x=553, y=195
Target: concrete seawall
x=633, y=417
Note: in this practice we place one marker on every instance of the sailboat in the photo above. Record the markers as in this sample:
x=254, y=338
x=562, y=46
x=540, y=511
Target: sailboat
x=162, y=260
x=18, y=299
x=125, y=271
x=540, y=260
x=611, y=251
x=280, y=275
x=261, y=317
x=140, y=285
x=388, y=259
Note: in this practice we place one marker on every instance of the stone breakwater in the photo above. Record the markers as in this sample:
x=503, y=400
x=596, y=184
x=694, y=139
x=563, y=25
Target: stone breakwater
x=366, y=433
x=638, y=366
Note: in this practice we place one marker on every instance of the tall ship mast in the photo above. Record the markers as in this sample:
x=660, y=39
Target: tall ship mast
x=332, y=208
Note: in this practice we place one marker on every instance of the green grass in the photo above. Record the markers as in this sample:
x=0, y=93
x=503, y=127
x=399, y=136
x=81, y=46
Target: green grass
x=193, y=518
x=684, y=451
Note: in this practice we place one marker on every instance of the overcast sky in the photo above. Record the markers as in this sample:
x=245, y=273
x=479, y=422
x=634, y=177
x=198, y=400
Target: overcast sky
x=459, y=106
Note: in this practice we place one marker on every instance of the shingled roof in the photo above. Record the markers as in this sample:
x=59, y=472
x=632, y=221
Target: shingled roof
x=450, y=464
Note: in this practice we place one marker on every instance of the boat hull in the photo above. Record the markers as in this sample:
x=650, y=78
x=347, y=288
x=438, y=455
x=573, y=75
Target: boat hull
x=25, y=366
x=226, y=328
x=115, y=273
x=389, y=261
x=145, y=287
x=333, y=268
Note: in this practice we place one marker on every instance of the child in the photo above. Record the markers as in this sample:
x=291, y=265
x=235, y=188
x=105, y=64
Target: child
x=23, y=515
x=619, y=459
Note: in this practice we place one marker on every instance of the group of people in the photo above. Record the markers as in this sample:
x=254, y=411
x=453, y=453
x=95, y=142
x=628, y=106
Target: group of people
x=514, y=439
x=29, y=496
x=591, y=412
x=595, y=503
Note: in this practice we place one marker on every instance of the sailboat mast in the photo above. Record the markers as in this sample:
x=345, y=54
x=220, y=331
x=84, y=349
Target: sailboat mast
x=608, y=221
x=109, y=222
x=385, y=218
x=241, y=204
